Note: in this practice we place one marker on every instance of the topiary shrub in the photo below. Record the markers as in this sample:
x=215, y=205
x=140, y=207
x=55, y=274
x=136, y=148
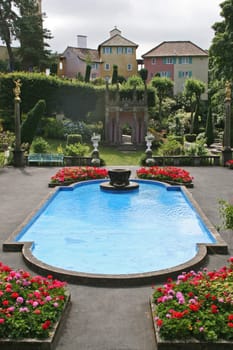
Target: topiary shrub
x=30, y=125
x=76, y=149
x=74, y=138
x=40, y=145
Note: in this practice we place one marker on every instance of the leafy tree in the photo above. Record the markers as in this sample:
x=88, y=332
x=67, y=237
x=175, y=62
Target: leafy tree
x=134, y=81
x=20, y=19
x=7, y=27
x=209, y=132
x=88, y=73
x=115, y=74
x=163, y=88
x=193, y=89
x=33, y=49
x=143, y=74
x=221, y=50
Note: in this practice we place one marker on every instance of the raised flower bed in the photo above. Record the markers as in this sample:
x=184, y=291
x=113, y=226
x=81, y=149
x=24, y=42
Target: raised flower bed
x=195, y=311
x=171, y=175
x=69, y=175
x=32, y=308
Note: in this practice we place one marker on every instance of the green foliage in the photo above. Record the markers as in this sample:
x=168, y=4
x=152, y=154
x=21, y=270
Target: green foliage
x=74, y=138
x=171, y=148
x=40, y=145
x=143, y=74
x=52, y=128
x=2, y=159
x=115, y=74
x=134, y=80
x=87, y=73
x=197, y=149
x=30, y=125
x=163, y=88
x=209, y=132
x=226, y=213
x=76, y=149
x=221, y=50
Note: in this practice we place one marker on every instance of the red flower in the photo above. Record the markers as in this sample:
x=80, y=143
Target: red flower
x=159, y=322
x=14, y=295
x=230, y=324
x=194, y=307
x=46, y=324
x=230, y=317
x=214, y=309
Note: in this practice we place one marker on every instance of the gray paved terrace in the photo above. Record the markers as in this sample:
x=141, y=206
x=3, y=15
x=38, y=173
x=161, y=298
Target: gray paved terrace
x=105, y=318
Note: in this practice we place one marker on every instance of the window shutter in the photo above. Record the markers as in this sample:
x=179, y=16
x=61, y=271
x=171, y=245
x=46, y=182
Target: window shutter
x=190, y=60
x=190, y=74
x=180, y=60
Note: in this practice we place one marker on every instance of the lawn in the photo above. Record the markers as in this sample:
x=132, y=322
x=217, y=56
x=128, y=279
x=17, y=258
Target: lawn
x=111, y=155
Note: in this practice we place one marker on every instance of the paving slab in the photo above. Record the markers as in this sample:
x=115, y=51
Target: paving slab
x=105, y=318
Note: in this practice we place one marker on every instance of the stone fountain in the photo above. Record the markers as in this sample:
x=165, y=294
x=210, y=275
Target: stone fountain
x=119, y=181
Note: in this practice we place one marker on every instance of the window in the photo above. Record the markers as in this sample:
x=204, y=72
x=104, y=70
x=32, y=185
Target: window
x=94, y=66
x=129, y=50
x=60, y=65
x=93, y=76
x=129, y=66
x=119, y=50
x=185, y=60
x=107, y=66
x=153, y=60
x=169, y=60
x=185, y=74
x=165, y=74
x=107, y=50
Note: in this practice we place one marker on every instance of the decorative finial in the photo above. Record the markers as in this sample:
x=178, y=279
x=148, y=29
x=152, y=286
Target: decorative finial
x=228, y=91
x=17, y=89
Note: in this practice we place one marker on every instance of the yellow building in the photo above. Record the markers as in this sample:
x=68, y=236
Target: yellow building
x=119, y=51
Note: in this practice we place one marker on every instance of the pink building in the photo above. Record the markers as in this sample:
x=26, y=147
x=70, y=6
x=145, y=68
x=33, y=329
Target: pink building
x=177, y=60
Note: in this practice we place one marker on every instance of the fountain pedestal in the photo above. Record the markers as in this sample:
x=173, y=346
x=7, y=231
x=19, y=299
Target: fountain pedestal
x=119, y=180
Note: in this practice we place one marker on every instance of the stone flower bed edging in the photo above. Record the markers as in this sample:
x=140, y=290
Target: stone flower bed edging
x=39, y=344
x=190, y=344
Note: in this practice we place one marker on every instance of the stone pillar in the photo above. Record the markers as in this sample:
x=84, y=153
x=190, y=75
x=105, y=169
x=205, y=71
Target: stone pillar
x=227, y=153
x=18, y=153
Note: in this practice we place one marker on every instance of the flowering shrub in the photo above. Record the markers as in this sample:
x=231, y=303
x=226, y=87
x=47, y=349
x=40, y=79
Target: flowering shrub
x=198, y=305
x=29, y=305
x=229, y=163
x=172, y=174
x=76, y=174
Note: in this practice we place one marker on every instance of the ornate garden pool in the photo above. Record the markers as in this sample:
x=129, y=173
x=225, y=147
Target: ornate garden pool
x=87, y=235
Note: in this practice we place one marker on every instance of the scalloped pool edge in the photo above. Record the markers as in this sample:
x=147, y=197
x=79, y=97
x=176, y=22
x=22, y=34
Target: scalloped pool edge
x=108, y=280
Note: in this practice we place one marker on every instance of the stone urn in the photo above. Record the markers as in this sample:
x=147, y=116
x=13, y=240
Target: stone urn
x=119, y=177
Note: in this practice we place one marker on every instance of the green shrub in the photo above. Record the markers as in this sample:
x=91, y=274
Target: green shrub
x=74, y=138
x=30, y=125
x=170, y=148
x=76, y=149
x=226, y=213
x=40, y=145
x=53, y=128
x=2, y=159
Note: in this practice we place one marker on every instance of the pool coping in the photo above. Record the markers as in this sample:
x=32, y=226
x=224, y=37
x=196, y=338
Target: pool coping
x=109, y=280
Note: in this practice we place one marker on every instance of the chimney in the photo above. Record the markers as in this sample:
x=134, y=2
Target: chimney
x=82, y=41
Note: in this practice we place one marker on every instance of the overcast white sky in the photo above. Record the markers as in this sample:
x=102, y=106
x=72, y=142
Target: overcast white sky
x=146, y=22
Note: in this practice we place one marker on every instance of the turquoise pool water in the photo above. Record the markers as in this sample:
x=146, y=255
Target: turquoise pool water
x=89, y=230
